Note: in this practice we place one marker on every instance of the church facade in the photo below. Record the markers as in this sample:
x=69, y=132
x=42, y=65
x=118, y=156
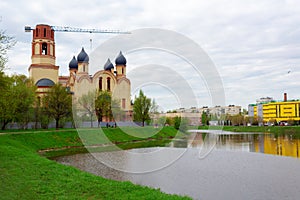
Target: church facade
x=45, y=73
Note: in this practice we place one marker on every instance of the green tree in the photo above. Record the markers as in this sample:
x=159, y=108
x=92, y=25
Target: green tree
x=254, y=120
x=141, y=108
x=37, y=112
x=16, y=100
x=177, y=121
x=118, y=113
x=181, y=123
x=154, y=114
x=154, y=107
x=169, y=121
x=204, y=118
x=7, y=101
x=162, y=120
x=103, y=106
x=237, y=119
x=24, y=92
x=87, y=101
x=58, y=103
x=6, y=98
x=6, y=42
x=44, y=117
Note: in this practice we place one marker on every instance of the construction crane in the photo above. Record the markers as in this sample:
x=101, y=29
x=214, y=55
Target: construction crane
x=81, y=30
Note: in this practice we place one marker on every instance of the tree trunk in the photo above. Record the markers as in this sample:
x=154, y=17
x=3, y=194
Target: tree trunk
x=36, y=119
x=57, y=123
x=4, y=124
x=91, y=121
x=99, y=117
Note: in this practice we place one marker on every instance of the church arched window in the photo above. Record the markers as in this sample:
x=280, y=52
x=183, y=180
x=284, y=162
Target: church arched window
x=123, y=103
x=44, y=49
x=108, y=83
x=100, y=83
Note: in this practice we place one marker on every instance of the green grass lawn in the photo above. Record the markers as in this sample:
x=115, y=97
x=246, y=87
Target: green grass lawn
x=117, y=138
x=24, y=174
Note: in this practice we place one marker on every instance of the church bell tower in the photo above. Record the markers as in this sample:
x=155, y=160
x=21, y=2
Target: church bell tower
x=43, y=66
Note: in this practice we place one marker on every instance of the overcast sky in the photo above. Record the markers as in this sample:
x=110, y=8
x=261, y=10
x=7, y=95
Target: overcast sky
x=255, y=44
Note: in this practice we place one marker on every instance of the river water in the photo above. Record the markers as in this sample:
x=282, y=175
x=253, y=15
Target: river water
x=230, y=171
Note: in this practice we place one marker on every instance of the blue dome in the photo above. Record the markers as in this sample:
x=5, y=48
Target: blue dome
x=82, y=56
x=44, y=82
x=108, y=65
x=120, y=60
x=73, y=63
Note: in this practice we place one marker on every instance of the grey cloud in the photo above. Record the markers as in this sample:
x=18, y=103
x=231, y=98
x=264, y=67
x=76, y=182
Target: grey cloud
x=250, y=42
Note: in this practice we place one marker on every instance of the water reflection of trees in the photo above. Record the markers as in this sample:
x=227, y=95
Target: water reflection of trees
x=286, y=145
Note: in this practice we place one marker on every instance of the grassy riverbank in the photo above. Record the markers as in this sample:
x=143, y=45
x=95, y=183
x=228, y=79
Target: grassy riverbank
x=263, y=129
x=27, y=175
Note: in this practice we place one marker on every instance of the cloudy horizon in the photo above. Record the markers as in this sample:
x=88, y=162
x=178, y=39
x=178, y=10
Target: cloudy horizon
x=254, y=45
